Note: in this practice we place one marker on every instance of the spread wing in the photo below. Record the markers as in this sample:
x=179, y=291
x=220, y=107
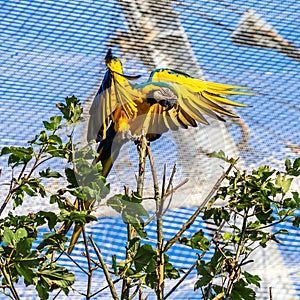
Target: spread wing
x=115, y=91
x=195, y=99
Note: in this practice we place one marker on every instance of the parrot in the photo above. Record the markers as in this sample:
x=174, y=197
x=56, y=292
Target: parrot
x=168, y=100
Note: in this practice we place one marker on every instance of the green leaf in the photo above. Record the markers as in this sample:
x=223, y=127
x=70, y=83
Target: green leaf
x=240, y=291
x=169, y=270
x=197, y=241
x=115, y=203
x=296, y=222
x=55, y=240
x=54, y=139
x=217, y=262
x=133, y=246
x=56, y=277
x=203, y=281
x=208, y=213
x=18, y=197
x=53, y=124
x=283, y=182
x=28, y=190
x=48, y=125
x=54, y=199
x=138, y=225
x=56, y=119
x=42, y=291
x=50, y=174
x=51, y=218
x=43, y=137
x=8, y=236
x=27, y=273
x=18, y=155
x=293, y=170
x=70, y=174
x=144, y=260
x=252, y=279
x=130, y=207
x=204, y=268
x=282, y=231
x=288, y=164
x=24, y=252
x=72, y=110
x=114, y=264
x=227, y=236
x=221, y=155
x=20, y=234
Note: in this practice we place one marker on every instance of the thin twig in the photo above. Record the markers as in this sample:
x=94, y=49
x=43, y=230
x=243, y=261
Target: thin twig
x=171, y=178
x=104, y=288
x=10, y=284
x=90, y=272
x=57, y=294
x=131, y=233
x=195, y=264
x=191, y=220
x=176, y=187
x=166, y=194
x=159, y=289
x=73, y=260
x=170, y=184
x=241, y=242
x=98, y=264
x=135, y=292
x=163, y=182
x=181, y=279
x=105, y=269
x=7, y=294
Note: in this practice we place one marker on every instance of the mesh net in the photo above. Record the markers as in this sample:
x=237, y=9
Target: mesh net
x=51, y=49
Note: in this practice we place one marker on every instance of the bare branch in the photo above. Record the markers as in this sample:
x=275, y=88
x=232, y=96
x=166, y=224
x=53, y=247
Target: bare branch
x=191, y=220
x=105, y=269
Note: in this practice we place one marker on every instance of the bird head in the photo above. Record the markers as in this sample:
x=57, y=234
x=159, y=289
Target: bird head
x=166, y=97
x=113, y=62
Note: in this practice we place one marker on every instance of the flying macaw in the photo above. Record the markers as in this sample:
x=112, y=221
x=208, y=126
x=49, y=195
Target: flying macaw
x=169, y=100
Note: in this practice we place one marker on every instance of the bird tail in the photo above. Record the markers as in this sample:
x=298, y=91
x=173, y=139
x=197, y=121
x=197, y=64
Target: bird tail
x=108, y=150
x=77, y=227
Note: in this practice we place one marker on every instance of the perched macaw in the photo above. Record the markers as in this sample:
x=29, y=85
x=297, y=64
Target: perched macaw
x=169, y=100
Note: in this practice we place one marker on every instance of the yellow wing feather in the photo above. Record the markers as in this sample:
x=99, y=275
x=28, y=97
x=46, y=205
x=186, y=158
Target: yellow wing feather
x=197, y=97
x=115, y=91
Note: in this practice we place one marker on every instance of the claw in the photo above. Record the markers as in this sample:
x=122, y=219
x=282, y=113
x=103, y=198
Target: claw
x=126, y=135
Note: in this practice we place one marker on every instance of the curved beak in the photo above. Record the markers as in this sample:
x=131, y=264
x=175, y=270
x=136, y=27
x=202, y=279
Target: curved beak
x=108, y=56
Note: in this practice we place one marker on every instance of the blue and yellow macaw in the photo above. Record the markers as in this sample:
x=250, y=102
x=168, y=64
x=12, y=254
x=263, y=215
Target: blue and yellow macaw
x=169, y=100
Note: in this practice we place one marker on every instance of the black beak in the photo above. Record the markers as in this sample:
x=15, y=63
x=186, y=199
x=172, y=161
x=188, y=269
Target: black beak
x=108, y=56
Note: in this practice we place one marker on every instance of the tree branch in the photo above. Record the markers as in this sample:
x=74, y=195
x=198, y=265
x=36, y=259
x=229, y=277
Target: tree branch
x=159, y=289
x=191, y=220
x=105, y=269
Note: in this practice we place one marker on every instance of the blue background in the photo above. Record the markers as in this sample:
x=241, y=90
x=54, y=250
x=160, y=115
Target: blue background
x=51, y=49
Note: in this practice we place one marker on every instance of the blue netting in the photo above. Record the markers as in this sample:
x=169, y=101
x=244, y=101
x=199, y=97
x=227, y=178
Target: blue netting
x=51, y=49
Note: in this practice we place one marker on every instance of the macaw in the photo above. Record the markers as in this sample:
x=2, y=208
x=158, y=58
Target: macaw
x=168, y=100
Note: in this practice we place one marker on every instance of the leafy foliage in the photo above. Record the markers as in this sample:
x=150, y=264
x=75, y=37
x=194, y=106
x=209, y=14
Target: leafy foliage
x=252, y=205
x=19, y=257
x=245, y=209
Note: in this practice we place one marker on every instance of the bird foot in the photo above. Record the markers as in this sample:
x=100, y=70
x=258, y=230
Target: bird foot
x=127, y=135
x=137, y=139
